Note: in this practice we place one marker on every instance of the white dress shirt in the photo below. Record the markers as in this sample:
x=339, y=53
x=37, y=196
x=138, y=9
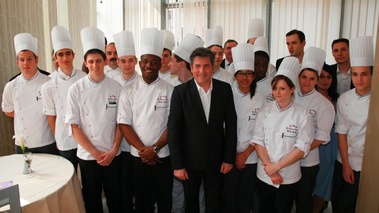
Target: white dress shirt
x=343, y=81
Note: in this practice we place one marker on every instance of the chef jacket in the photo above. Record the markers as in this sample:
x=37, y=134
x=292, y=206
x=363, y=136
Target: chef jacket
x=23, y=97
x=352, y=114
x=93, y=106
x=54, y=100
x=146, y=108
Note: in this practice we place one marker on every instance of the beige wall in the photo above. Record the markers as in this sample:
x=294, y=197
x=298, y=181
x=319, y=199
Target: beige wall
x=368, y=199
x=17, y=16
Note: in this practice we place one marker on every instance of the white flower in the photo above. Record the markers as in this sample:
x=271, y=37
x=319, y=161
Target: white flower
x=21, y=141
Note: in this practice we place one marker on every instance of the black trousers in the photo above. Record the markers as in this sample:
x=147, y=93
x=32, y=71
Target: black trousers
x=276, y=200
x=127, y=183
x=304, y=200
x=239, y=186
x=152, y=183
x=71, y=156
x=48, y=149
x=212, y=190
x=95, y=178
x=344, y=195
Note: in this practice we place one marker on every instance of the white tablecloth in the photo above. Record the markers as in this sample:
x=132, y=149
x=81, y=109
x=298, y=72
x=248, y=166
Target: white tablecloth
x=53, y=189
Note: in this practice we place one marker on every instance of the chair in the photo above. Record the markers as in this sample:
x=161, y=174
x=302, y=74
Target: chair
x=11, y=196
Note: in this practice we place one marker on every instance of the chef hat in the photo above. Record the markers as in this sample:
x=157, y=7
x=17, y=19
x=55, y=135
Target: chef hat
x=169, y=42
x=152, y=42
x=255, y=28
x=92, y=38
x=25, y=41
x=290, y=68
x=61, y=38
x=261, y=44
x=214, y=36
x=124, y=43
x=243, y=57
x=314, y=58
x=187, y=46
x=361, y=51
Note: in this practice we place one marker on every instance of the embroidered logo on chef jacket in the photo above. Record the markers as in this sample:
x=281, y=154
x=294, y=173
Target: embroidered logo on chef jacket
x=313, y=112
x=112, y=102
x=253, y=115
x=162, y=102
x=39, y=96
x=291, y=131
x=270, y=97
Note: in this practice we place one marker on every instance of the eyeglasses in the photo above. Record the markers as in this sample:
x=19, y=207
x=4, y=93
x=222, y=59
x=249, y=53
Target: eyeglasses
x=247, y=74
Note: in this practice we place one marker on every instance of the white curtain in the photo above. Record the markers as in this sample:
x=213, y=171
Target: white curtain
x=186, y=16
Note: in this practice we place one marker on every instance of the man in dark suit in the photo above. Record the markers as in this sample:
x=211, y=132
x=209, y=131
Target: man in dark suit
x=295, y=40
x=229, y=44
x=202, y=133
x=340, y=51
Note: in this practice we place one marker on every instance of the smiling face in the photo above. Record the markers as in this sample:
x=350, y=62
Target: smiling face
x=340, y=52
x=150, y=66
x=361, y=77
x=307, y=81
x=244, y=79
x=127, y=64
x=95, y=64
x=325, y=80
x=282, y=91
x=27, y=61
x=201, y=69
x=65, y=58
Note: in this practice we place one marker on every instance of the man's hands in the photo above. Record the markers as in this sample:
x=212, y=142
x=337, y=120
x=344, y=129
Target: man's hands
x=148, y=155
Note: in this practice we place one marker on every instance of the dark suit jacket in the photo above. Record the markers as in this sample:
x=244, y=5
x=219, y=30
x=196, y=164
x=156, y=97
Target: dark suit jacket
x=334, y=70
x=195, y=144
x=222, y=65
x=278, y=62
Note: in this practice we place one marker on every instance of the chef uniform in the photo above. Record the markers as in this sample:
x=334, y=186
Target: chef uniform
x=264, y=85
x=280, y=131
x=125, y=47
x=54, y=97
x=255, y=29
x=352, y=114
x=93, y=107
x=169, y=44
x=23, y=97
x=145, y=107
x=189, y=43
x=322, y=112
x=239, y=185
x=214, y=37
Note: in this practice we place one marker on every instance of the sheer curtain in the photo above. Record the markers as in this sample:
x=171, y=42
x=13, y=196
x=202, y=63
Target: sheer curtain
x=186, y=16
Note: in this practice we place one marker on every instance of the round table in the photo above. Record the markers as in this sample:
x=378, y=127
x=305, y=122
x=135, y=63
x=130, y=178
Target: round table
x=52, y=187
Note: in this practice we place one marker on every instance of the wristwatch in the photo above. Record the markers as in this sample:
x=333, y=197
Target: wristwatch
x=156, y=148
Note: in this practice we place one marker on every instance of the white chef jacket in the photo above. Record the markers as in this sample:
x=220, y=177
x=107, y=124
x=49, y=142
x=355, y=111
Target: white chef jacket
x=352, y=114
x=23, y=97
x=271, y=71
x=247, y=110
x=323, y=114
x=114, y=73
x=264, y=87
x=146, y=108
x=166, y=76
x=224, y=76
x=108, y=69
x=54, y=100
x=125, y=146
x=280, y=132
x=93, y=106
